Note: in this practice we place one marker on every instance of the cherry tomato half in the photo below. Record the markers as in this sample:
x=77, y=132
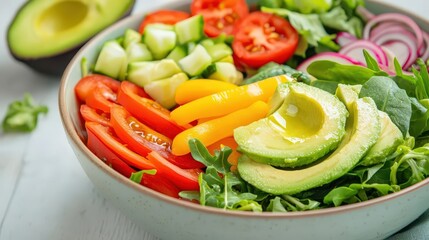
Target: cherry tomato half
x=135, y=100
x=220, y=16
x=101, y=150
x=163, y=16
x=107, y=137
x=261, y=38
x=143, y=140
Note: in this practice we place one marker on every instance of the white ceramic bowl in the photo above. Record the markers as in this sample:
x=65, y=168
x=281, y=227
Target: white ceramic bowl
x=169, y=218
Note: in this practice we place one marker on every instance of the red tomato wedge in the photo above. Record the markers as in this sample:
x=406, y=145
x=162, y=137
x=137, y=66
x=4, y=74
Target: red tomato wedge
x=165, y=16
x=185, y=180
x=143, y=140
x=134, y=99
x=220, y=16
x=91, y=115
x=89, y=83
x=261, y=38
x=106, y=136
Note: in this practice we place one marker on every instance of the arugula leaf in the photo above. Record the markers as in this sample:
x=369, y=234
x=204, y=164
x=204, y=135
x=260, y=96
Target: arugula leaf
x=219, y=187
x=390, y=99
x=21, y=116
x=219, y=161
x=338, y=195
x=371, y=63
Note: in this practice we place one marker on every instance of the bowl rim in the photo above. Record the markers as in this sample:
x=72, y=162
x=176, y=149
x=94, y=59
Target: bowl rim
x=76, y=140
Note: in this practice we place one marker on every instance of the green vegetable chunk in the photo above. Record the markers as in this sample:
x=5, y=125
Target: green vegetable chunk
x=21, y=116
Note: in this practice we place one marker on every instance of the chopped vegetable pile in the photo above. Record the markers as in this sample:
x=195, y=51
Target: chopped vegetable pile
x=292, y=107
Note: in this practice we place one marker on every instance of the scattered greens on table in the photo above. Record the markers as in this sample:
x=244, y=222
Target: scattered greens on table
x=21, y=116
x=405, y=98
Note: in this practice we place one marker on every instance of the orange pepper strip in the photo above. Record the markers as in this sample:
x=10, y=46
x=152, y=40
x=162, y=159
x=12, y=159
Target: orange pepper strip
x=198, y=88
x=229, y=142
x=225, y=102
x=214, y=130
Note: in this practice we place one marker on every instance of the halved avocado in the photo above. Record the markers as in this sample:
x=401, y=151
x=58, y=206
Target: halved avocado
x=308, y=124
x=362, y=131
x=46, y=34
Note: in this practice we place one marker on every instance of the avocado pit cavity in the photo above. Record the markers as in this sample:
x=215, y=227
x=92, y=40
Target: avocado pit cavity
x=61, y=16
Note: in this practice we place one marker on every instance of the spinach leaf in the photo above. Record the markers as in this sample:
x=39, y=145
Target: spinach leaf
x=273, y=69
x=419, y=118
x=328, y=86
x=390, y=99
x=341, y=73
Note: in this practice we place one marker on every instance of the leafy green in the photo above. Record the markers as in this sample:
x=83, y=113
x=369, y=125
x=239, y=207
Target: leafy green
x=309, y=6
x=273, y=69
x=138, y=176
x=390, y=99
x=337, y=19
x=21, y=116
x=219, y=187
x=341, y=73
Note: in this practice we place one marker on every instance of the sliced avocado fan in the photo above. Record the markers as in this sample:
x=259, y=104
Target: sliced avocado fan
x=306, y=123
x=362, y=131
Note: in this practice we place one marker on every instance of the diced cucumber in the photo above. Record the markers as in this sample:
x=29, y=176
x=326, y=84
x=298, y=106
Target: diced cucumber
x=190, y=46
x=196, y=62
x=138, y=52
x=112, y=60
x=131, y=36
x=190, y=29
x=164, y=90
x=207, y=42
x=228, y=59
x=160, y=26
x=177, y=53
x=219, y=51
x=226, y=72
x=159, y=41
x=142, y=73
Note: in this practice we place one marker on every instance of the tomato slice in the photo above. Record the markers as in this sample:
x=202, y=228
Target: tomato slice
x=101, y=150
x=160, y=184
x=155, y=182
x=143, y=140
x=137, y=102
x=261, y=38
x=89, y=83
x=101, y=98
x=220, y=16
x=92, y=115
x=165, y=16
x=106, y=136
x=185, y=180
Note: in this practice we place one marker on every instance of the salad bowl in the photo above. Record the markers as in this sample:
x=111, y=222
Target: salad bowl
x=170, y=218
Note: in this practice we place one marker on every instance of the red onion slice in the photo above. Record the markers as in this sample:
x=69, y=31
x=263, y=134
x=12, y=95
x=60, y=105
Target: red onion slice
x=395, y=17
x=355, y=51
x=409, y=51
x=425, y=54
x=344, y=38
x=332, y=56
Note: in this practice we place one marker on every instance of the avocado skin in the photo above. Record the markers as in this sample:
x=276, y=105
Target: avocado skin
x=56, y=64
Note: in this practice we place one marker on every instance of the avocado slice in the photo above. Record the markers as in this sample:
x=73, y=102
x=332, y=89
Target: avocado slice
x=308, y=124
x=362, y=131
x=390, y=137
x=46, y=34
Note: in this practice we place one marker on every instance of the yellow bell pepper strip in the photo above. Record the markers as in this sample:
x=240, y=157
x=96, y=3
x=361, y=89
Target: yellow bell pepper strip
x=198, y=88
x=225, y=102
x=214, y=130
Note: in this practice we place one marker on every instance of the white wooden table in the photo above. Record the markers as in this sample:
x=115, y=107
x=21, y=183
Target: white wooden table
x=44, y=193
